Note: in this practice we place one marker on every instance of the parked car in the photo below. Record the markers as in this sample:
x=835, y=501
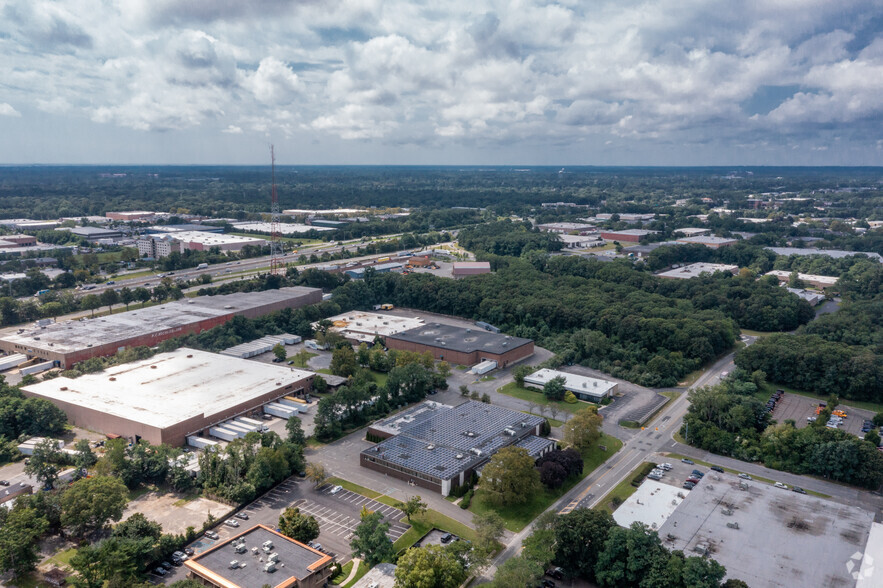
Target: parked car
x=655, y=477
x=4, y=482
x=180, y=555
x=189, y=551
x=798, y=489
x=693, y=481
x=555, y=572
x=688, y=461
x=335, y=489
x=166, y=565
x=781, y=485
x=697, y=473
x=717, y=469
x=665, y=466
x=231, y=523
x=745, y=476
x=211, y=535
x=446, y=538
x=689, y=485
x=177, y=562
x=546, y=583
x=241, y=515
x=160, y=571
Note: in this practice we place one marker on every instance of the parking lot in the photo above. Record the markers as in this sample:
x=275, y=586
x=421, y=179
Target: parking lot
x=798, y=408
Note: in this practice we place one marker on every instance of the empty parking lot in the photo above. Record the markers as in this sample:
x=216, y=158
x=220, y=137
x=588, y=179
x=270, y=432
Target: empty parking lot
x=338, y=514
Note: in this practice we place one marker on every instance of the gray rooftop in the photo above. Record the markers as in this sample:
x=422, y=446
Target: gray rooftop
x=442, y=443
x=460, y=339
x=68, y=336
x=836, y=253
x=534, y=445
x=296, y=557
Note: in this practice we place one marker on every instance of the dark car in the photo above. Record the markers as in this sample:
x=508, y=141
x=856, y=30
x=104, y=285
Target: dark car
x=4, y=483
x=166, y=565
x=556, y=573
x=717, y=469
x=446, y=538
x=160, y=571
x=697, y=473
x=189, y=550
x=546, y=583
x=278, y=360
x=689, y=485
x=688, y=461
x=241, y=515
x=301, y=474
x=798, y=489
x=177, y=562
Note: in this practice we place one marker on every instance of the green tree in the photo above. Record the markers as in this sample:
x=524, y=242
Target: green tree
x=873, y=437
x=522, y=371
x=583, y=429
x=579, y=538
x=90, y=503
x=42, y=464
x=699, y=572
x=138, y=526
x=444, y=369
x=517, y=571
x=489, y=529
x=127, y=296
x=430, y=567
x=110, y=297
x=90, y=302
x=316, y=473
x=19, y=547
x=628, y=556
x=412, y=506
x=295, y=432
x=510, y=477
x=370, y=540
x=343, y=362
x=142, y=294
x=554, y=388
x=84, y=457
x=279, y=351
x=298, y=526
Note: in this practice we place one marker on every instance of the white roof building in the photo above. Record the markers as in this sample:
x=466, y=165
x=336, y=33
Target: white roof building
x=694, y=270
x=361, y=326
x=200, y=241
x=583, y=387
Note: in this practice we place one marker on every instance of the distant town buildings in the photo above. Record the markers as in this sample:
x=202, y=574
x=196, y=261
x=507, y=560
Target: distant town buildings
x=568, y=228
x=131, y=215
x=711, y=242
x=694, y=270
x=626, y=236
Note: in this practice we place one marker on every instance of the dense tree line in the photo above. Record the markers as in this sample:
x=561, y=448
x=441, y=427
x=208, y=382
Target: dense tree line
x=727, y=419
x=588, y=544
x=609, y=316
x=507, y=238
x=20, y=416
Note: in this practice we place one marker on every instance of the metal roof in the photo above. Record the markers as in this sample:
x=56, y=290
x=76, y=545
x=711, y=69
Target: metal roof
x=464, y=340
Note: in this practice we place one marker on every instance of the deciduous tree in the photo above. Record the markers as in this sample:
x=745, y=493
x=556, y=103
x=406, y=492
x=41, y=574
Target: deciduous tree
x=370, y=540
x=91, y=503
x=432, y=566
x=299, y=527
x=510, y=477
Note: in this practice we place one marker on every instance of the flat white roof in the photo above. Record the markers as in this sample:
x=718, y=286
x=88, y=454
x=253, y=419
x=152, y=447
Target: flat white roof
x=170, y=387
x=869, y=569
x=830, y=280
x=284, y=228
x=572, y=382
x=696, y=269
x=209, y=239
x=693, y=230
x=705, y=239
x=291, y=211
x=652, y=503
x=363, y=326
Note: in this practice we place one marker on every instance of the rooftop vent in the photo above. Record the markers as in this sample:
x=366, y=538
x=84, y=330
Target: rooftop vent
x=63, y=388
x=523, y=424
x=509, y=431
x=430, y=447
x=189, y=356
x=468, y=330
x=469, y=434
x=153, y=367
x=458, y=456
x=228, y=307
x=112, y=379
x=475, y=451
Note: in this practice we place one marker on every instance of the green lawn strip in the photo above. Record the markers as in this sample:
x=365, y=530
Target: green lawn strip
x=302, y=363
x=363, y=569
x=354, y=487
x=512, y=389
x=380, y=378
x=325, y=371
x=462, y=368
x=751, y=333
x=62, y=559
x=621, y=491
x=519, y=516
x=343, y=574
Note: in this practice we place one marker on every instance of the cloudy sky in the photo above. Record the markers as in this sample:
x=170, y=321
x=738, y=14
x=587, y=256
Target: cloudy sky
x=664, y=82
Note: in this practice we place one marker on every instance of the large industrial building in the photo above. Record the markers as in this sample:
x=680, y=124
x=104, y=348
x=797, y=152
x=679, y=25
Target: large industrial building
x=708, y=241
x=811, y=279
x=203, y=241
x=583, y=387
x=694, y=270
x=626, y=236
x=260, y=557
x=69, y=342
x=362, y=327
x=462, y=346
x=438, y=447
x=169, y=396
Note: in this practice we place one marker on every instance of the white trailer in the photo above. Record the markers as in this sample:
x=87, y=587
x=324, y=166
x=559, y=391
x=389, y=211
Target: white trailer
x=225, y=434
x=484, y=367
x=302, y=408
x=10, y=361
x=247, y=421
x=234, y=426
x=200, y=442
x=36, y=369
x=279, y=410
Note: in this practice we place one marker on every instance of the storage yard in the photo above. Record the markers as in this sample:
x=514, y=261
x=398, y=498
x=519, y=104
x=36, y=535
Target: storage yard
x=69, y=342
x=169, y=396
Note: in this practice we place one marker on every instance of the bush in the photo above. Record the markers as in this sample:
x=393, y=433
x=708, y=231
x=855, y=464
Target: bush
x=545, y=428
x=467, y=499
x=639, y=477
x=569, y=398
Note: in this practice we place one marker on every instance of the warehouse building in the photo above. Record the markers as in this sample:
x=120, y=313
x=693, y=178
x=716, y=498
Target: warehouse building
x=169, y=396
x=362, y=327
x=712, y=242
x=583, y=387
x=69, y=342
x=17, y=241
x=131, y=215
x=358, y=273
x=626, y=236
x=820, y=282
x=462, y=269
x=694, y=270
x=262, y=557
x=203, y=241
x=93, y=233
x=693, y=231
x=462, y=346
x=568, y=228
x=438, y=447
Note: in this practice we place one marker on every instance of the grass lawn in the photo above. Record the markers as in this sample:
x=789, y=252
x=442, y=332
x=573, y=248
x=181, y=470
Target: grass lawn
x=462, y=368
x=301, y=358
x=325, y=371
x=62, y=559
x=622, y=491
x=29, y=581
x=363, y=569
x=552, y=422
x=380, y=378
x=519, y=516
x=514, y=390
x=343, y=574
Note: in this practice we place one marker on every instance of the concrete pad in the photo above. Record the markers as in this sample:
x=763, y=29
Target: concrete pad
x=173, y=512
x=651, y=504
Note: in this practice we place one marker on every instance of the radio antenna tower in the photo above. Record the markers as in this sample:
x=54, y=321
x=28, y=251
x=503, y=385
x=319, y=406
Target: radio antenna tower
x=276, y=265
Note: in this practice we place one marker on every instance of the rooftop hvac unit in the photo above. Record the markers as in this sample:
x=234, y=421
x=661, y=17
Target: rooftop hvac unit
x=469, y=434
x=510, y=432
x=228, y=307
x=523, y=424
x=437, y=338
x=475, y=451
x=430, y=447
x=270, y=568
x=274, y=557
x=505, y=343
x=458, y=456
x=585, y=385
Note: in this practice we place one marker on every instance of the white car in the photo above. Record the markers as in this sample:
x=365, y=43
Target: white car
x=231, y=523
x=781, y=485
x=335, y=489
x=665, y=466
x=745, y=476
x=211, y=534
